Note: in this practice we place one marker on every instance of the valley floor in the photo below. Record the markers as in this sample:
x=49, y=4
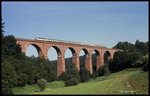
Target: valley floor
x=122, y=82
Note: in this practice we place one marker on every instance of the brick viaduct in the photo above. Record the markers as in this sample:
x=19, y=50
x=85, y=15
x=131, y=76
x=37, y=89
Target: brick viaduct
x=43, y=47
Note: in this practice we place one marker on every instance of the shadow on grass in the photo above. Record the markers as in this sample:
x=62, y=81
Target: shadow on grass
x=37, y=91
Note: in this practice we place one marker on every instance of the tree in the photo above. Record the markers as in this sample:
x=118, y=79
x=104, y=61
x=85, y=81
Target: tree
x=142, y=47
x=42, y=83
x=145, y=63
x=10, y=48
x=74, y=73
x=9, y=78
x=119, y=61
x=106, y=69
x=84, y=74
x=100, y=71
x=71, y=82
x=25, y=70
x=64, y=76
x=126, y=46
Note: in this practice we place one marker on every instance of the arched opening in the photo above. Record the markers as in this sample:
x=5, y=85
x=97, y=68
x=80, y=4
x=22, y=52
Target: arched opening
x=107, y=56
x=70, y=55
x=33, y=51
x=83, y=55
x=53, y=54
x=95, y=60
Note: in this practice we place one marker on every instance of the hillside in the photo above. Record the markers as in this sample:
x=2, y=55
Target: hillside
x=116, y=83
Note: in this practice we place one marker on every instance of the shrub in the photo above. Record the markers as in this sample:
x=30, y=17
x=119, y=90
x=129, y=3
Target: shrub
x=74, y=73
x=21, y=79
x=94, y=75
x=100, y=71
x=145, y=63
x=42, y=84
x=106, y=70
x=64, y=76
x=84, y=74
x=103, y=70
x=9, y=78
x=138, y=64
x=72, y=81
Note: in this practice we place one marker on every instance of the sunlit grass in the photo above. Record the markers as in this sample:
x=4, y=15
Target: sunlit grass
x=113, y=84
x=139, y=82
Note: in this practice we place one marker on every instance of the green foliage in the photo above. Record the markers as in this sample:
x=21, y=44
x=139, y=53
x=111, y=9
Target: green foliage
x=142, y=62
x=10, y=48
x=115, y=85
x=84, y=74
x=74, y=73
x=94, y=75
x=119, y=61
x=130, y=57
x=18, y=69
x=145, y=62
x=42, y=83
x=22, y=79
x=69, y=74
x=8, y=78
x=46, y=71
x=71, y=82
x=100, y=71
x=126, y=46
x=142, y=47
x=28, y=70
x=64, y=76
x=106, y=70
x=103, y=70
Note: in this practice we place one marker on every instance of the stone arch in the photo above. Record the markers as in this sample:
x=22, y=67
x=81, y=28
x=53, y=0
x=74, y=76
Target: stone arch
x=86, y=55
x=98, y=58
x=60, y=62
x=88, y=62
x=39, y=50
x=74, y=54
x=107, y=56
x=57, y=50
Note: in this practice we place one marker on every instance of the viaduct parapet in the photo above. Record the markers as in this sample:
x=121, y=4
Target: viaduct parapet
x=43, y=47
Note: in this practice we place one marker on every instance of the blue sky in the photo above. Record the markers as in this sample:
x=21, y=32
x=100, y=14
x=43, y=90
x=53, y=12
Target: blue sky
x=104, y=23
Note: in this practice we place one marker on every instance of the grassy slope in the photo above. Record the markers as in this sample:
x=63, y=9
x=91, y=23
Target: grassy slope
x=139, y=82
x=113, y=84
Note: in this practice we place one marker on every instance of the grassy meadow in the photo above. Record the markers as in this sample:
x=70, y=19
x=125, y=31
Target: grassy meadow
x=129, y=81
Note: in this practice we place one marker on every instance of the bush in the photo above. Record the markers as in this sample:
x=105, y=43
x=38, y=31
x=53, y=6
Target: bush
x=138, y=64
x=145, y=67
x=72, y=81
x=94, y=75
x=84, y=74
x=42, y=84
x=74, y=73
x=64, y=76
x=103, y=70
x=106, y=70
x=100, y=71
x=145, y=62
x=9, y=78
x=21, y=79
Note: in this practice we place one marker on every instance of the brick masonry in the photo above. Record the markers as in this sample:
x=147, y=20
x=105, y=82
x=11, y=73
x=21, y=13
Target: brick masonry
x=43, y=47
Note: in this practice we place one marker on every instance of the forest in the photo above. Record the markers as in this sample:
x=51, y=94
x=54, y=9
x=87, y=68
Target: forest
x=19, y=70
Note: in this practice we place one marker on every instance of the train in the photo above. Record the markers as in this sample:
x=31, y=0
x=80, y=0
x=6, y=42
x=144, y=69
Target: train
x=63, y=41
